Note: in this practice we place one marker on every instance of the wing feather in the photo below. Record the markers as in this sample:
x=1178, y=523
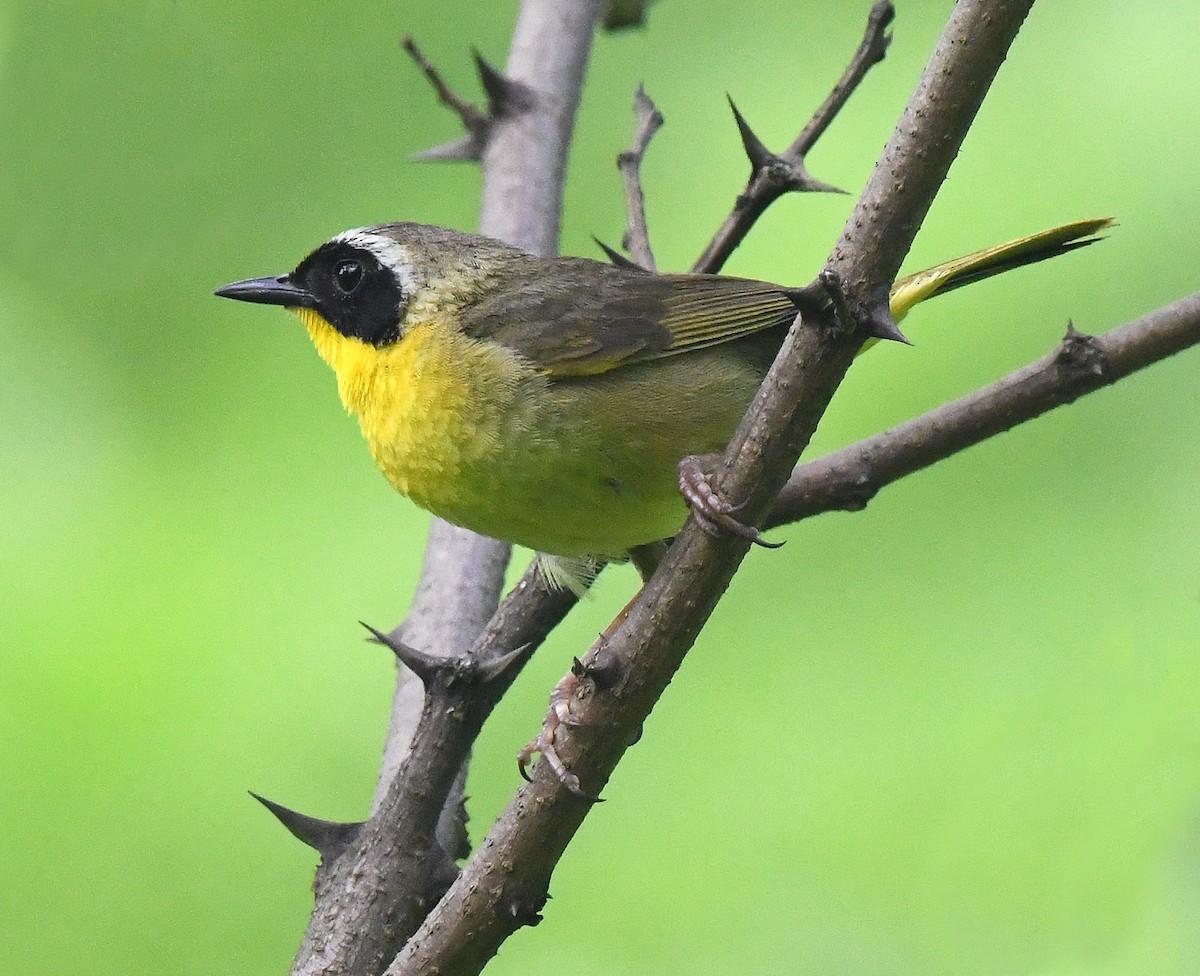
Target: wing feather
x=575, y=317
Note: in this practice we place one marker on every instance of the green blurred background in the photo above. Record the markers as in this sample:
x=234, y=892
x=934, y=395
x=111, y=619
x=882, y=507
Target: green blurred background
x=956, y=733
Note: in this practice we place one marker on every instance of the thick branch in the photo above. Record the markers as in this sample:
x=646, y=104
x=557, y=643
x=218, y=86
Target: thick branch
x=849, y=478
x=525, y=161
x=916, y=158
x=459, y=586
x=382, y=884
x=506, y=883
x=372, y=897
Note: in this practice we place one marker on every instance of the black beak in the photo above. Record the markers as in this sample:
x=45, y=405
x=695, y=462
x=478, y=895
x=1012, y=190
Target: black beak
x=267, y=291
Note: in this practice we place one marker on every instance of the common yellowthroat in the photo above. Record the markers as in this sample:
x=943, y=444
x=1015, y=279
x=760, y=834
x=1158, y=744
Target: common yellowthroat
x=548, y=401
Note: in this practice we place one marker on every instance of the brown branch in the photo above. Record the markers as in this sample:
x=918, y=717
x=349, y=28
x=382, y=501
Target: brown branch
x=772, y=176
x=848, y=479
x=637, y=233
x=506, y=883
x=871, y=51
x=378, y=879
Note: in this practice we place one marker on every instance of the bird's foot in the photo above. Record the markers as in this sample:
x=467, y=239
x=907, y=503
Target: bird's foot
x=572, y=688
x=713, y=512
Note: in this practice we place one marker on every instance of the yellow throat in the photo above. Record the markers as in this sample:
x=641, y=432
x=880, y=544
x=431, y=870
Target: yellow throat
x=431, y=406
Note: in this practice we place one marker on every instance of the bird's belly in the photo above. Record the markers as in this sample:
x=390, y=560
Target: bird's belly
x=576, y=502
x=572, y=469
x=563, y=492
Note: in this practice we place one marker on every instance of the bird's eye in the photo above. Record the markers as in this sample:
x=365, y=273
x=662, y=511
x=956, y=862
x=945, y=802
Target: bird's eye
x=348, y=275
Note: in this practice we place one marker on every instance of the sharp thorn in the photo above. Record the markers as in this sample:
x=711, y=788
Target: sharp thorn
x=505, y=96
x=327, y=837
x=811, y=300
x=445, y=671
x=809, y=185
x=616, y=257
x=492, y=79
x=467, y=149
x=491, y=669
x=424, y=666
x=874, y=317
x=759, y=155
x=879, y=324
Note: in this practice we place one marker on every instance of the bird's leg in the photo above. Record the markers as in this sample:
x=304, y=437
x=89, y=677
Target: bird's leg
x=645, y=558
x=713, y=512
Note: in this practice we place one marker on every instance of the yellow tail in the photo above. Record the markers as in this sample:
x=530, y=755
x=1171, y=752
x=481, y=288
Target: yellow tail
x=914, y=288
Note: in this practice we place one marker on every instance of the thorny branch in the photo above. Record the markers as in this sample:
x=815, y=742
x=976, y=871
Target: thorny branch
x=476, y=122
x=506, y=883
x=772, y=176
x=373, y=890
x=848, y=479
x=505, y=97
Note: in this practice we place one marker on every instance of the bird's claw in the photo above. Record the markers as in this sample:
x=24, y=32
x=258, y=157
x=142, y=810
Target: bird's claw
x=713, y=512
x=566, y=691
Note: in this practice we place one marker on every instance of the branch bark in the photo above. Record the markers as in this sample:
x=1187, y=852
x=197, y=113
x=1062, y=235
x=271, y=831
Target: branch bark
x=506, y=883
x=771, y=176
x=381, y=876
x=848, y=479
x=637, y=232
x=372, y=892
x=525, y=161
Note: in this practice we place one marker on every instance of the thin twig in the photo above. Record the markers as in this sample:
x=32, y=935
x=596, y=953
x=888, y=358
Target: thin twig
x=475, y=121
x=871, y=51
x=637, y=233
x=771, y=176
x=504, y=886
x=848, y=479
x=470, y=116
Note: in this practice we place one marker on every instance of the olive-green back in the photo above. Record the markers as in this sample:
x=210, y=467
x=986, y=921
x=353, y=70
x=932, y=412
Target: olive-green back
x=575, y=317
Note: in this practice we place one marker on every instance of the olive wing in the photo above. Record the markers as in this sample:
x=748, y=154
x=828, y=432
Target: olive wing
x=574, y=317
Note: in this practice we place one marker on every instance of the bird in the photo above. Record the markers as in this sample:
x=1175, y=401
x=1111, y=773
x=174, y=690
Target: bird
x=548, y=401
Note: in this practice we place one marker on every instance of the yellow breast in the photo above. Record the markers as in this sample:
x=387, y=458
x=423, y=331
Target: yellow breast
x=433, y=407
x=470, y=431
